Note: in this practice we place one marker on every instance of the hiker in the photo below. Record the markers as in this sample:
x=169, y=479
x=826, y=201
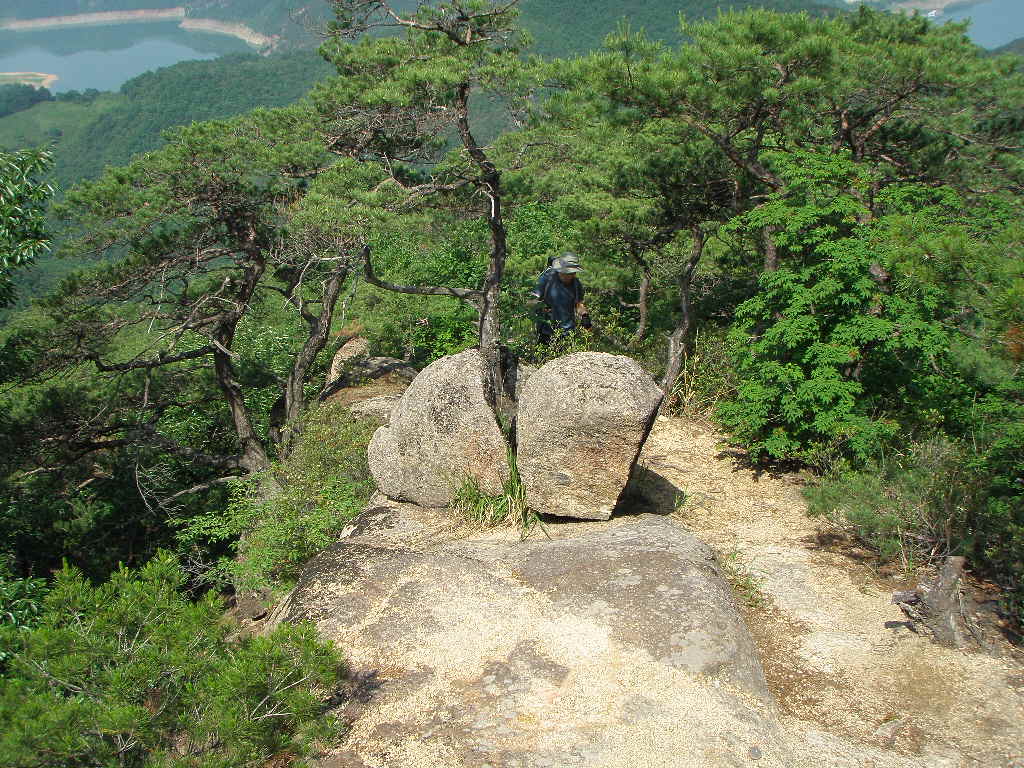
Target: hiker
x=560, y=294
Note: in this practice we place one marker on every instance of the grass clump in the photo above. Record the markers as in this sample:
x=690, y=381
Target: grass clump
x=706, y=379
x=745, y=584
x=485, y=510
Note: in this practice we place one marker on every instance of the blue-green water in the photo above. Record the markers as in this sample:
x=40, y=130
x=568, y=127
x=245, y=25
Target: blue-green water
x=993, y=22
x=105, y=57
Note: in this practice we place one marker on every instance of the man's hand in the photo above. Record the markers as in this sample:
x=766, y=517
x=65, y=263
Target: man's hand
x=585, y=323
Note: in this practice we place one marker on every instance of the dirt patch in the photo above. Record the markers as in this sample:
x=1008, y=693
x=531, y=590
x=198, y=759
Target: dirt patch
x=793, y=683
x=852, y=681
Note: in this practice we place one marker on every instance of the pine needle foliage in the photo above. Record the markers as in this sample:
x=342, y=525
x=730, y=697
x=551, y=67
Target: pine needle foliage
x=133, y=673
x=277, y=520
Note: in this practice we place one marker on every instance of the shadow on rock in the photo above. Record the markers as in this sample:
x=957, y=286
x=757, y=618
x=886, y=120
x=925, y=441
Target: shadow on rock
x=649, y=493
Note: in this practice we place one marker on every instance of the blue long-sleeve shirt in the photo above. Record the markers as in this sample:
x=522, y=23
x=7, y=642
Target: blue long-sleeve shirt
x=560, y=298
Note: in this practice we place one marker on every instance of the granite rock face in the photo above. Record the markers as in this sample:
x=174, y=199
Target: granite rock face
x=441, y=431
x=377, y=408
x=353, y=352
x=602, y=644
x=581, y=422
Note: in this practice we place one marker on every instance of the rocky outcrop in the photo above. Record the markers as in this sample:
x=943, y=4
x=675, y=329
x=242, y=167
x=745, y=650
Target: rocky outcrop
x=352, y=366
x=599, y=645
x=581, y=423
x=441, y=432
x=377, y=408
x=352, y=353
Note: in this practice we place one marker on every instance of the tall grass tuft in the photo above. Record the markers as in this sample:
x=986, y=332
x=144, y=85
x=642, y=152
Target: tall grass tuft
x=508, y=508
x=706, y=379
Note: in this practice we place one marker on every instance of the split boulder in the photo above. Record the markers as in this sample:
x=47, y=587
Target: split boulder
x=441, y=432
x=581, y=423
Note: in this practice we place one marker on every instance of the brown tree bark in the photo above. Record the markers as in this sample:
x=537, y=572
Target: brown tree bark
x=253, y=455
x=679, y=340
x=642, y=303
x=489, y=332
x=771, y=251
x=319, y=330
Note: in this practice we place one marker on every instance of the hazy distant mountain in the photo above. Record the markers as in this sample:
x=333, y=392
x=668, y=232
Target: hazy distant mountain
x=1017, y=46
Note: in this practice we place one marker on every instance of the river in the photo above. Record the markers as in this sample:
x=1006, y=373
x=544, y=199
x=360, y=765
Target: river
x=104, y=57
x=993, y=22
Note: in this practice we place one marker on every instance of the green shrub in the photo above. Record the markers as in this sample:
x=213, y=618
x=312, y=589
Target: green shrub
x=937, y=498
x=826, y=359
x=275, y=522
x=836, y=352
x=132, y=673
x=911, y=507
x=995, y=531
x=21, y=603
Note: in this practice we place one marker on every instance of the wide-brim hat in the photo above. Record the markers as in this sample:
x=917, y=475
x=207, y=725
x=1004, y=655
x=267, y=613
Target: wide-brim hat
x=567, y=263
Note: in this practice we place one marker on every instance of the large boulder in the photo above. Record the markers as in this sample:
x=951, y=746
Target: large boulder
x=599, y=645
x=441, y=432
x=353, y=368
x=581, y=423
x=351, y=354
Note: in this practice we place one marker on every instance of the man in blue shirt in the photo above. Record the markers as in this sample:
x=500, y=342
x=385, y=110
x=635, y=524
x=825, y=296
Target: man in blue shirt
x=561, y=294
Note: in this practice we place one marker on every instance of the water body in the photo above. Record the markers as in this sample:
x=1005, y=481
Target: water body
x=104, y=57
x=993, y=22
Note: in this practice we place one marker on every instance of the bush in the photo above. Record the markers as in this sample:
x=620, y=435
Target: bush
x=275, y=522
x=827, y=362
x=911, y=507
x=21, y=603
x=995, y=533
x=132, y=673
x=938, y=498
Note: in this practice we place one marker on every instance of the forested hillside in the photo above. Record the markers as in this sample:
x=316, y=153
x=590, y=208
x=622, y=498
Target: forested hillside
x=564, y=28
x=559, y=27
x=90, y=132
x=94, y=130
x=808, y=227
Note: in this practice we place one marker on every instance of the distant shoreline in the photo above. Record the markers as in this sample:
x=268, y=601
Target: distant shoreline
x=35, y=79
x=925, y=6
x=240, y=31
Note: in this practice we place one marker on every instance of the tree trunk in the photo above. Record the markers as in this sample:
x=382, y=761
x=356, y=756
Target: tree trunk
x=489, y=329
x=253, y=454
x=490, y=321
x=771, y=252
x=294, y=388
x=645, y=289
x=679, y=340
